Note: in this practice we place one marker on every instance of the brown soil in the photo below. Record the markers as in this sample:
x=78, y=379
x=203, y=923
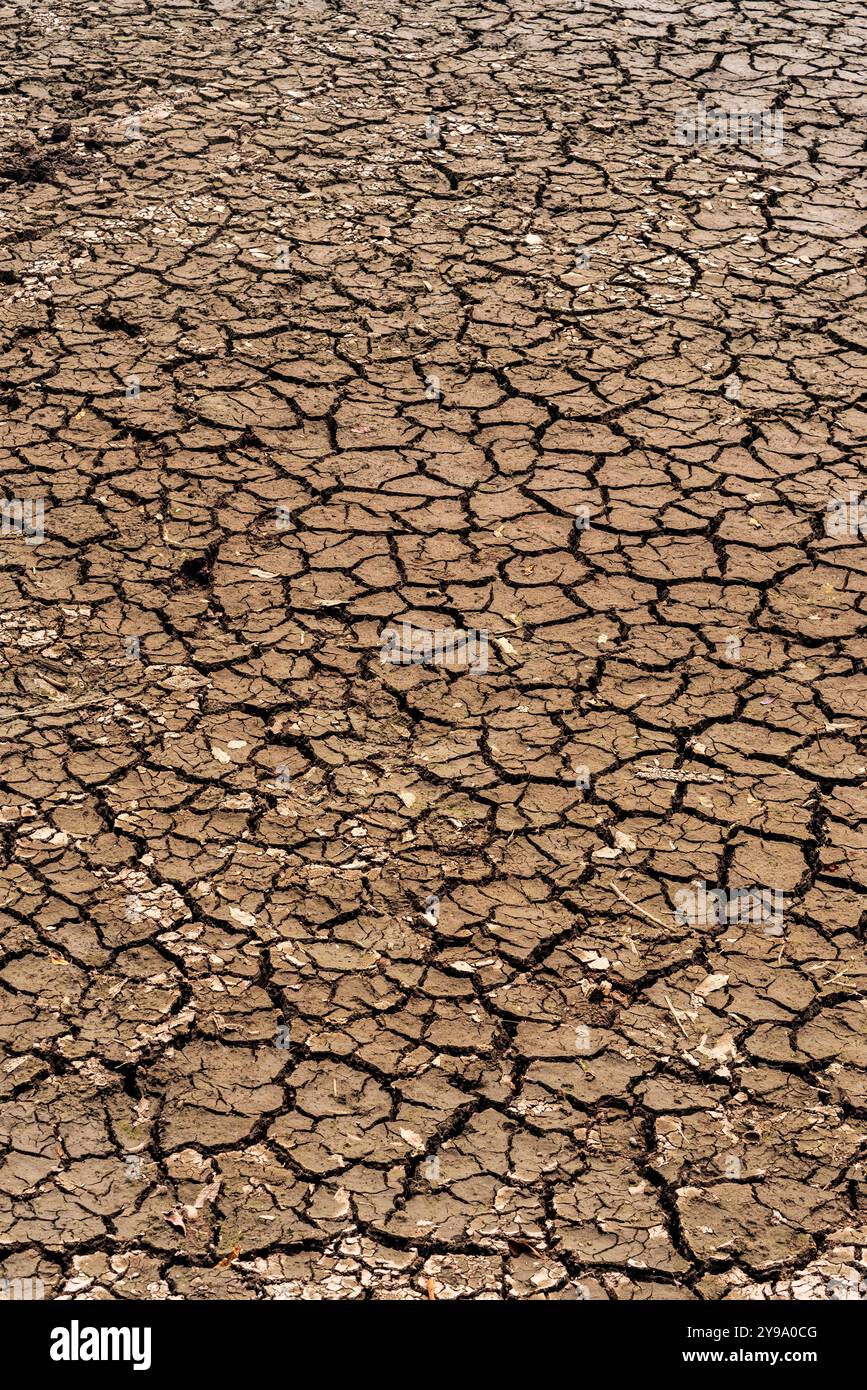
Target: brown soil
x=320, y=317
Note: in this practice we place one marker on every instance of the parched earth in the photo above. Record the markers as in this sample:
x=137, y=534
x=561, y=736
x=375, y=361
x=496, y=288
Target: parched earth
x=325, y=976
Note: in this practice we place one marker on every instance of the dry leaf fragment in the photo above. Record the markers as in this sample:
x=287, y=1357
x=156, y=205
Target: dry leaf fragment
x=207, y=1194
x=245, y=918
x=341, y=1202
x=710, y=984
x=519, y=1246
x=724, y=1049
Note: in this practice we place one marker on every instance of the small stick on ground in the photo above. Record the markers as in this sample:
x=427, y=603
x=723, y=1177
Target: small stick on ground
x=676, y=774
x=643, y=910
x=676, y=1016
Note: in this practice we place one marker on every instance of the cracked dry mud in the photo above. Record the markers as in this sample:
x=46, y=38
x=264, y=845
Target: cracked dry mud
x=431, y=278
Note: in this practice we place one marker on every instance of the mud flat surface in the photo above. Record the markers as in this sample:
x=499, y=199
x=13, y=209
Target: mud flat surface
x=323, y=318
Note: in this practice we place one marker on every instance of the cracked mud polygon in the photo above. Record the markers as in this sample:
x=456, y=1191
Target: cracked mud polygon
x=330, y=977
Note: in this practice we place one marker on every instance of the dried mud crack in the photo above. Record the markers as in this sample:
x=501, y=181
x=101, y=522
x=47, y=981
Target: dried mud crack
x=344, y=957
